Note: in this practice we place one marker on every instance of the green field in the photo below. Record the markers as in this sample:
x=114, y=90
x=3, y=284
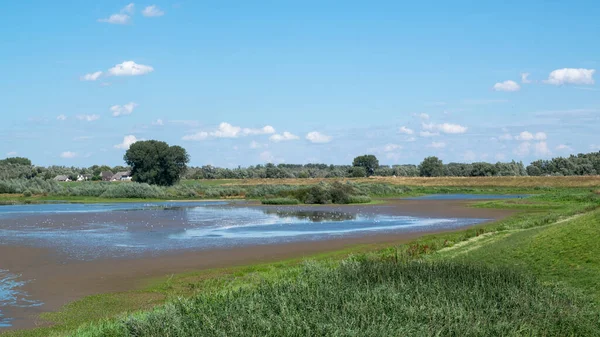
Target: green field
x=535, y=273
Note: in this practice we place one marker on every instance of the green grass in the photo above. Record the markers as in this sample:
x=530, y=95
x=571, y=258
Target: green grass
x=534, y=273
x=566, y=252
x=371, y=297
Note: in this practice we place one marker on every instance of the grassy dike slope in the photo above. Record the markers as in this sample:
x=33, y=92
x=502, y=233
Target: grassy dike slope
x=535, y=273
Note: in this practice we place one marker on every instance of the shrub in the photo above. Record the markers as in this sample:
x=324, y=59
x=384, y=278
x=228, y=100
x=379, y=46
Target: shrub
x=27, y=193
x=359, y=199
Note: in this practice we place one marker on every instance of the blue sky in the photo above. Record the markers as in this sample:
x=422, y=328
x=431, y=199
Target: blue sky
x=244, y=83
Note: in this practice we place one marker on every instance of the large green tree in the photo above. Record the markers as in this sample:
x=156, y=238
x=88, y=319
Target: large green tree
x=431, y=167
x=368, y=161
x=156, y=162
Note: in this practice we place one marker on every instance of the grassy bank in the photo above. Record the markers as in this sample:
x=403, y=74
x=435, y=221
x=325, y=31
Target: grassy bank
x=534, y=273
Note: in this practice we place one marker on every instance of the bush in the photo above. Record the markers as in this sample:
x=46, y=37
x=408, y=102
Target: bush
x=280, y=201
x=359, y=199
x=27, y=193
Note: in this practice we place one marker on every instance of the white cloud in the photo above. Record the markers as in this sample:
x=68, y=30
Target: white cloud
x=285, y=136
x=500, y=156
x=523, y=149
x=226, y=130
x=152, y=11
x=68, y=155
x=525, y=78
x=526, y=136
x=81, y=138
x=391, y=147
x=61, y=117
x=405, y=130
x=506, y=136
x=428, y=134
x=445, y=128
x=88, y=118
x=129, y=8
x=265, y=130
x=91, y=76
x=158, y=122
x=122, y=110
x=571, y=76
x=540, y=136
x=563, y=147
x=541, y=149
x=317, y=137
x=11, y=154
x=507, y=86
x=130, y=68
x=121, y=18
x=127, y=142
x=595, y=147
x=424, y=116
x=437, y=145
x=410, y=139
x=117, y=19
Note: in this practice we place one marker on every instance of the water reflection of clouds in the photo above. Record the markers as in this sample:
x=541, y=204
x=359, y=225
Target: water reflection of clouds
x=11, y=295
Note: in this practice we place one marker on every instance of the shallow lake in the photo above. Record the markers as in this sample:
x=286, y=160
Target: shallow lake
x=90, y=231
x=119, y=230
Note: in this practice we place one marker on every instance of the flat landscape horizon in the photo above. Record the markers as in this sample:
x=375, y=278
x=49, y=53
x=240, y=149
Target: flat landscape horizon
x=308, y=168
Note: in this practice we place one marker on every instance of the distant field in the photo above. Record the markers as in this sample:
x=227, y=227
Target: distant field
x=570, y=181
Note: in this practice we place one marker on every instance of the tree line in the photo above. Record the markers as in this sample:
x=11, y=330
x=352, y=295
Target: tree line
x=157, y=163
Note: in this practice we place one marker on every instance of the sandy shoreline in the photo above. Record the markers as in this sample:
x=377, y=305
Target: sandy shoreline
x=57, y=281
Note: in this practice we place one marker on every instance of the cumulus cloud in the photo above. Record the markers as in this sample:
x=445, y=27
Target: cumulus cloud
x=61, y=117
x=68, y=155
x=506, y=136
x=130, y=68
x=405, y=130
x=127, y=142
x=525, y=78
x=445, y=128
x=317, y=137
x=428, y=134
x=226, y=130
x=121, y=18
x=507, y=86
x=285, y=136
x=11, y=154
x=571, y=76
x=437, y=145
x=523, y=149
x=122, y=110
x=424, y=116
x=129, y=8
x=88, y=118
x=158, y=122
x=526, y=136
x=541, y=149
x=91, y=76
x=117, y=19
x=152, y=11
